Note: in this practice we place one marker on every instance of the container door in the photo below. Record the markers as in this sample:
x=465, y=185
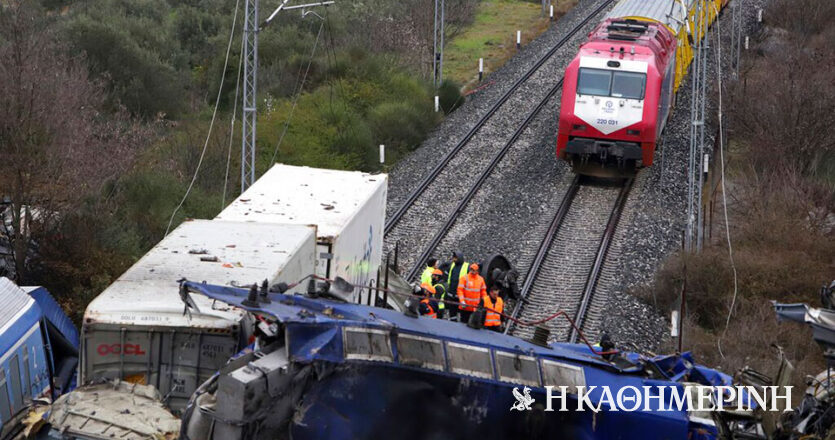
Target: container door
x=123, y=354
x=190, y=361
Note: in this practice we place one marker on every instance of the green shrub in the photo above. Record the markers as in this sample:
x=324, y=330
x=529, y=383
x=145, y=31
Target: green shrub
x=450, y=97
x=340, y=123
x=137, y=77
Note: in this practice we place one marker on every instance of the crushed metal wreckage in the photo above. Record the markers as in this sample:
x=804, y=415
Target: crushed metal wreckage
x=814, y=418
x=114, y=409
x=322, y=368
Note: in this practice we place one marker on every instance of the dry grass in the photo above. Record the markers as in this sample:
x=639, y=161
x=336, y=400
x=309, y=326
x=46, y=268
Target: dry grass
x=492, y=36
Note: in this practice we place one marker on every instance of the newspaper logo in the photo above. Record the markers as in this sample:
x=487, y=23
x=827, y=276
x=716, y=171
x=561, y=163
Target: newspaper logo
x=523, y=402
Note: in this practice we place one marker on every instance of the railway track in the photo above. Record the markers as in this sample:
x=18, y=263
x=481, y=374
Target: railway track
x=566, y=268
x=485, y=173
x=440, y=183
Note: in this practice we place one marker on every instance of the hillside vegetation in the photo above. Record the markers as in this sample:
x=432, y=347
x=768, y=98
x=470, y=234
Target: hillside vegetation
x=106, y=106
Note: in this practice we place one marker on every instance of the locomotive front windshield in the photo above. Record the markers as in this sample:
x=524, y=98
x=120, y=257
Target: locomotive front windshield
x=614, y=83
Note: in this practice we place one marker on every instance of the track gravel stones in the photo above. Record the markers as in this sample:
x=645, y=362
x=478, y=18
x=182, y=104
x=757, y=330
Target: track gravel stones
x=561, y=279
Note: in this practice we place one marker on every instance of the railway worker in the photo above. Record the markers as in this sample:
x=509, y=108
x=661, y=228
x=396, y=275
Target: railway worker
x=437, y=282
x=428, y=305
x=431, y=266
x=494, y=306
x=471, y=288
x=604, y=344
x=455, y=269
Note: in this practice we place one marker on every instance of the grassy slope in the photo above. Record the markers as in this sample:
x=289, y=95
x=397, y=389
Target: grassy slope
x=493, y=35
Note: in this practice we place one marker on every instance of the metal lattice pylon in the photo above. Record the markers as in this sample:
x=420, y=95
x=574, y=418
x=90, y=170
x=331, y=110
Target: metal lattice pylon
x=250, y=114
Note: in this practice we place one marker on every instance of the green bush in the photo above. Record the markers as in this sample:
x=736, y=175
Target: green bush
x=136, y=76
x=340, y=123
x=450, y=97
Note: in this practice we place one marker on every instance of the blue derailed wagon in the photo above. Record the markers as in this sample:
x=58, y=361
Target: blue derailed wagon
x=38, y=351
x=324, y=369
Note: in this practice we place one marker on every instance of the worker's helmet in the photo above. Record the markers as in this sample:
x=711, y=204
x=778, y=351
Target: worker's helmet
x=428, y=288
x=437, y=274
x=474, y=266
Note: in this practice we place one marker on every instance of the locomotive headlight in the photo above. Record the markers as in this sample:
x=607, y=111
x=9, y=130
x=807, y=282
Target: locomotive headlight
x=579, y=127
x=633, y=132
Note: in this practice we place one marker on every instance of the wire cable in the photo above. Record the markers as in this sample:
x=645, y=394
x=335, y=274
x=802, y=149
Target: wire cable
x=212, y=123
x=232, y=129
x=724, y=197
x=300, y=86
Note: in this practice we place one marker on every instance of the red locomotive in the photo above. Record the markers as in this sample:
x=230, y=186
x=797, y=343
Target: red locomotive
x=617, y=94
x=619, y=90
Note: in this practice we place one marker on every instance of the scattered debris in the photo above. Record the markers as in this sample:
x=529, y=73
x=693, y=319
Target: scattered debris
x=814, y=417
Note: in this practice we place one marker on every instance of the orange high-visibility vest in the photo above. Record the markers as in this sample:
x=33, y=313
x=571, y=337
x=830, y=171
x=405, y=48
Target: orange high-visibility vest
x=470, y=291
x=431, y=313
x=493, y=318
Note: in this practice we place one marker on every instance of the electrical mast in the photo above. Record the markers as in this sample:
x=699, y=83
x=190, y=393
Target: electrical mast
x=250, y=94
x=250, y=104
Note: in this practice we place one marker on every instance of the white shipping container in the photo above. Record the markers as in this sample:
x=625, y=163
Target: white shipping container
x=137, y=329
x=347, y=207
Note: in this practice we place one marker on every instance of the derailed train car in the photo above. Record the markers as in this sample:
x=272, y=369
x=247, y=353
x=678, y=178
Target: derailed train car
x=38, y=352
x=328, y=369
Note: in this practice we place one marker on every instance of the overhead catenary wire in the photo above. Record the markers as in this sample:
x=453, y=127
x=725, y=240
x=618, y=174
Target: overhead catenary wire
x=722, y=180
x=298, y=88
x=212, y=123
x=232, y=127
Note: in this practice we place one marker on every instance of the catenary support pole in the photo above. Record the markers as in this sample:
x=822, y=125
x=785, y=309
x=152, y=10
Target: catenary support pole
x=249, y=117
x=435, y=53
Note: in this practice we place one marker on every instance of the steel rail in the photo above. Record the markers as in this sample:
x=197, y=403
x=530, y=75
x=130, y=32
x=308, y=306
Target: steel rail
x=602, y=251
x=553, y=228
x=485, y=173
x=436, y=171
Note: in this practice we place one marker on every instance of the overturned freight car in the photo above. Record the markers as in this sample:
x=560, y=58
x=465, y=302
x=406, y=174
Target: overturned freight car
x=347, y=207
x=136, y=329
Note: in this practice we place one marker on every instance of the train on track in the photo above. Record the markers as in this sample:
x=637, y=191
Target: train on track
x=620, y=89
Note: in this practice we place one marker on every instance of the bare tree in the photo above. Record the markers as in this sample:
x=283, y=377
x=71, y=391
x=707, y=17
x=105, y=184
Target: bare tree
x=56, y=146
